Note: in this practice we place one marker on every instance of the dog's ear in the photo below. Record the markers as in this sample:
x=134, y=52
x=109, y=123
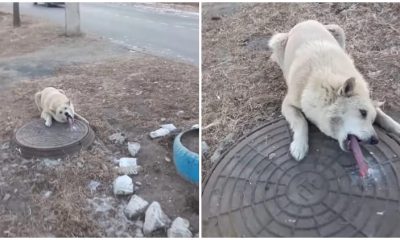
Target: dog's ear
x=348, y=87
x=377, y=104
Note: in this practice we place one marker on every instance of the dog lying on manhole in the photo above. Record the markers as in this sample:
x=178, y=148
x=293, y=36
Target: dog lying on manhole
x=325, y=87
x=53, y=104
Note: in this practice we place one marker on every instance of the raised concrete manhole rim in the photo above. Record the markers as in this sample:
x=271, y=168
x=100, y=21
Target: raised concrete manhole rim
x=258, y=190
x=34, y=139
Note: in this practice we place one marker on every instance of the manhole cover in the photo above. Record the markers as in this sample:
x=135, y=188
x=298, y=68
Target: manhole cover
x=34, y=139
x=258, y=190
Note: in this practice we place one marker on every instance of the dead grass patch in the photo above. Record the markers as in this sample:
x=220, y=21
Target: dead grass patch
x=242, y=88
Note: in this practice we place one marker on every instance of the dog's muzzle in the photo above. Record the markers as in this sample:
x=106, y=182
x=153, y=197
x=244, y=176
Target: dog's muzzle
x=70, y=119
x=68, y=115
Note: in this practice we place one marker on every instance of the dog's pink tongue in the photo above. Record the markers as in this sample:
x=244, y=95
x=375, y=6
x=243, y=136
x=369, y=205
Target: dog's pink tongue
x=70, y=121
x=356, y=150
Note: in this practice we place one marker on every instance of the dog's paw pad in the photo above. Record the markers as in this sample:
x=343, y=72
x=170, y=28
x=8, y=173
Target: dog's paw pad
x=298, y=150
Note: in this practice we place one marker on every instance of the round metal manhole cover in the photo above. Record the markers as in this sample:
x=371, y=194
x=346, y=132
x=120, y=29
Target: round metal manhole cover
x=34, y=139
x=258, y=190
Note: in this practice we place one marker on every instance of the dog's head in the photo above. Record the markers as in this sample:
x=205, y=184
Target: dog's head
x=63, y=112
x=352, y=113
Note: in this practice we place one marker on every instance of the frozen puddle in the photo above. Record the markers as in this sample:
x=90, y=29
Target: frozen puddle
x=374, y=177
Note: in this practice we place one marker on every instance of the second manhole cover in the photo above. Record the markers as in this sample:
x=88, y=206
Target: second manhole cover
x=258, y=190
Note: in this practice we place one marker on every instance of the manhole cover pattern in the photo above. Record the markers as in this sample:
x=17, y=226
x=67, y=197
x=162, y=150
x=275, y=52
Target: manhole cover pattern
x=36, y=135
x=258, y=190
x=34, y=139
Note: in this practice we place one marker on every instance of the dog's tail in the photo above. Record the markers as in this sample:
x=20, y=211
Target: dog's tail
x=277, y=43
x=38, y=97
x=337, y=33
x=81, y=118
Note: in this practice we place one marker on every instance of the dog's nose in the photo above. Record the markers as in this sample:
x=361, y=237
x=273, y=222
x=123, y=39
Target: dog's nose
x=373, y=140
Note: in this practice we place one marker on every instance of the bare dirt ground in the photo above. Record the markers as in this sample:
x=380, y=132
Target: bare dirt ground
x=242, y=88
x=116, y=91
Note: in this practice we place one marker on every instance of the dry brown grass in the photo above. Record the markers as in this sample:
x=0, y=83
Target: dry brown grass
x=109, y=93
x=242, y=88
x=65, y=212
x=30, y=36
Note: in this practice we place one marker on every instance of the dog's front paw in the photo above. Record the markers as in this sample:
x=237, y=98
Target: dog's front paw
x=48, y=123
x=299, y=149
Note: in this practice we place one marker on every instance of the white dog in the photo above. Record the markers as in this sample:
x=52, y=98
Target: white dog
x=325, y=87
x=53, y=104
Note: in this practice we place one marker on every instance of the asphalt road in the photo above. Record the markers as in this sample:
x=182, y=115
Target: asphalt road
x=172, y=34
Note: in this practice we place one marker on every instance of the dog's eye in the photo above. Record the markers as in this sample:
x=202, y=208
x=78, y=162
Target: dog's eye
x=363, y=113
x=65, y=108
x=60, y=112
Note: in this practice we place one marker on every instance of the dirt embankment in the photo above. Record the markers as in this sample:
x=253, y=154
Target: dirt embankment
x=242, y=88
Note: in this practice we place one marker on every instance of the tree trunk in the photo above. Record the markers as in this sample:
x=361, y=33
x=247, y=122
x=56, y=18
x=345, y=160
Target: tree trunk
x=17, y=19
x=72, y=19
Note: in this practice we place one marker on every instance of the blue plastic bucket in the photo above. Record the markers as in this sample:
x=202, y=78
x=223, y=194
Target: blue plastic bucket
x=186, y=161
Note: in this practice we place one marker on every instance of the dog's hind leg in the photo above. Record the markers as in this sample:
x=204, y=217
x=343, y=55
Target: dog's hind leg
x=38, y=96
x=299, y=126
x=277, y=43
x=81, y=118
x=337, y=33
x=386, y=122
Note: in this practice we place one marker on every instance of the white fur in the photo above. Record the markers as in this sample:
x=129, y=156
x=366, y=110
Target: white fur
x=53, y=104
x=324, y=86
